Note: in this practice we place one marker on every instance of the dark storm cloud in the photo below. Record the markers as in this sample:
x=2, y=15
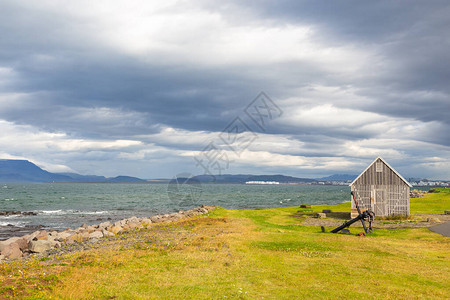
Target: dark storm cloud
x=66, y=78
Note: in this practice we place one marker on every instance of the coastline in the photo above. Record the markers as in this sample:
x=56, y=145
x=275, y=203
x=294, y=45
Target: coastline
x=41, y=241
x=260, y=253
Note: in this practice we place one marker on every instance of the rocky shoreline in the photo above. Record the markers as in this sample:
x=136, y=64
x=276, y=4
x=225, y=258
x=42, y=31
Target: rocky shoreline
x=41, y=241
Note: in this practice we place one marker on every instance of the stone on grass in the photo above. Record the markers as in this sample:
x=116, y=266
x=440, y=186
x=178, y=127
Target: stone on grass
x=321, y=215
x=326, y=211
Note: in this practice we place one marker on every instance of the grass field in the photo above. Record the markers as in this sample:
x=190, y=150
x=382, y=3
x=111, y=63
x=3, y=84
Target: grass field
x=246, y=254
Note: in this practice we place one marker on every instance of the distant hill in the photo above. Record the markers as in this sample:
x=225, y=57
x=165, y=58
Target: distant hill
x=125, y=179
x=12, y=170
x=240, y=178
x=88, y=178
x=338, y=177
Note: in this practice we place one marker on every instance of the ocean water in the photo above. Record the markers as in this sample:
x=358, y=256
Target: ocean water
x=59, y=206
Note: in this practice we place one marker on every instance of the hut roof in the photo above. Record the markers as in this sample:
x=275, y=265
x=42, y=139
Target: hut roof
x=379, y=157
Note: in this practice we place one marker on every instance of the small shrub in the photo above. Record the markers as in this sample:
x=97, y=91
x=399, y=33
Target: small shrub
x=395, y=217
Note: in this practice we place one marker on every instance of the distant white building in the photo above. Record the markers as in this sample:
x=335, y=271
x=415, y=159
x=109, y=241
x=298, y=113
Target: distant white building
x=262, y=182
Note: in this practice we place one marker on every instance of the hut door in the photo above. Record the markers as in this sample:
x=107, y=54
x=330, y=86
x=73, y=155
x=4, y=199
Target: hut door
x=380, y=207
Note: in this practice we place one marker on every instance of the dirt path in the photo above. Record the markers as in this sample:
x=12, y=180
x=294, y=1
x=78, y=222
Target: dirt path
x=337, y=219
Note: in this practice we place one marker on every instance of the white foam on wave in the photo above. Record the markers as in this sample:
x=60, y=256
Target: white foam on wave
x=17, y=224
x=72, y=212
x=52, y=212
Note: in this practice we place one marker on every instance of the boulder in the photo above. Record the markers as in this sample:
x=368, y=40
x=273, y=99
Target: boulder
x=64, y=235
x=84, y=235
x=321, y=215
x=326, y=211
x=40, y=246
x=54, y=233
x=104, y=224
x=133, y=220
x=433, y=220
x=107, y=233
x=7, y=242
x=41, y=236
x=12, y=251
x=23, y=244
x=120, y=223
x=115, y=229
x=31, y=236
x=96, y=235
x=146, y=221
x=2, y=257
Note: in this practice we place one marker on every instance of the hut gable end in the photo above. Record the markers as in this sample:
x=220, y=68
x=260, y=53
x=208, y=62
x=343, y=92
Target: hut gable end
x=382, y=189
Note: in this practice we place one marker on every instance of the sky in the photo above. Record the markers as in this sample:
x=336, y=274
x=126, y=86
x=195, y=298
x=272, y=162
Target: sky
x=157, y=88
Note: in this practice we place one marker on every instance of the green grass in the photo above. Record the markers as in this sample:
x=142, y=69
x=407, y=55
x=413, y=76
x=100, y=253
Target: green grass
x=245, y=254
x=432, y=203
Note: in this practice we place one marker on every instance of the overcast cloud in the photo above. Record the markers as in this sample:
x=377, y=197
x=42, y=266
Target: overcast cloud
x=141, y=87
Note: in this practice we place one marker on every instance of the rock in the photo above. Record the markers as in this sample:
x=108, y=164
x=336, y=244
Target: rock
x=78, y=237
x=305, y=206
x=23, y=244
x=2, y=257
x=345, y=231
x=132, y=220
x=326, y=211
x=433, y=220
x=40, y=246
x=91, y=229
x=96, y=235
x=154, y=219
x=33, y=235
x=116, y=229
x=134, y=225
x=320, y=215
x=84, y=235
x=104, y=224
x=12, y=251
x=7, y=242
x=447, y=212
x=41, y=236
x=120, y=223
x=146, y=221
x=63, y=235
x=107, y=233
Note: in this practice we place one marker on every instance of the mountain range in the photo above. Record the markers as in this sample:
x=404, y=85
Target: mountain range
x=25, y=171
x=12, y=170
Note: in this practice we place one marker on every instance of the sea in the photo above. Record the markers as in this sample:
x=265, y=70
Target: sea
x=57, y=206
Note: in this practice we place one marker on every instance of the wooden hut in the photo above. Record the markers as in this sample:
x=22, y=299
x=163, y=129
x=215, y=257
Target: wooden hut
x=382, y=189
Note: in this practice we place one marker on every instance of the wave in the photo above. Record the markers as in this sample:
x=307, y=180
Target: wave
x=71, y=212
x=16, y=224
